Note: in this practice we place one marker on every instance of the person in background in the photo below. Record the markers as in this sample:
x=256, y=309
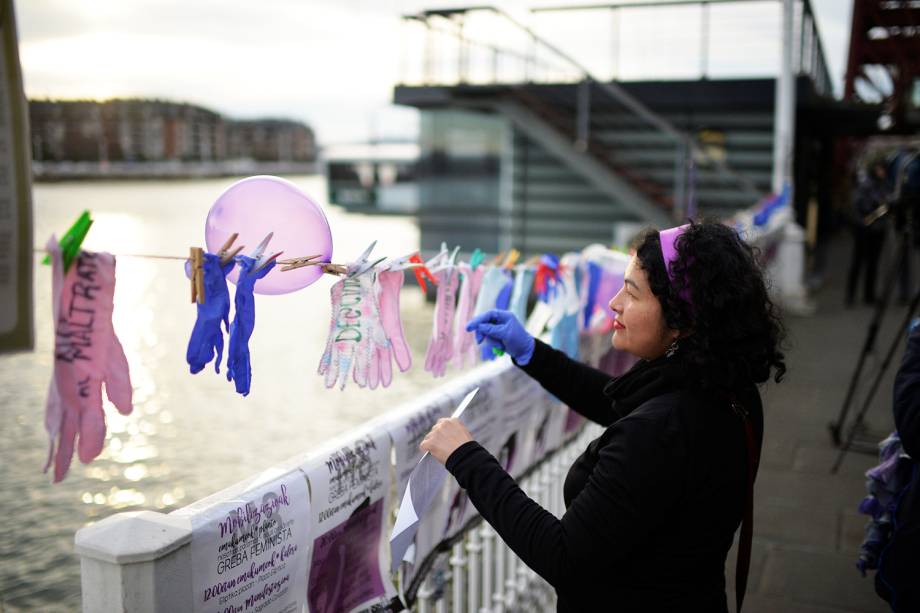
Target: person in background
x=652, y=505
x=897, y=578
x=904, y=187
x=868, y=223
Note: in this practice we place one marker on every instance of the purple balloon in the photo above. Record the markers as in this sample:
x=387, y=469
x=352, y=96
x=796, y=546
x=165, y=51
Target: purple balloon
x=258, y=205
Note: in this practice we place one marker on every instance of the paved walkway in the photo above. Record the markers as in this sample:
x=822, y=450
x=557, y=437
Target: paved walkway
x=806, y=528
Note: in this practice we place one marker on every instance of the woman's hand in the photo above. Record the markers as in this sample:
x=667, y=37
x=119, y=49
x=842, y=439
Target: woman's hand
x=444, y=438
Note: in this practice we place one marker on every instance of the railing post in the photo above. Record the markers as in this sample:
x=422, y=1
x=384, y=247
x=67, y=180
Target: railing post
x=498, y=594
x=615, y=44
x=680, y=181
x=457, y=564
x=136, y=562
x=511, y=578
x=462, y=51
x=494, y=65
x=704, y=40
x=425, y=593
x=530, y=62
x=488, y=567
x=426, y=58
x=474, y=570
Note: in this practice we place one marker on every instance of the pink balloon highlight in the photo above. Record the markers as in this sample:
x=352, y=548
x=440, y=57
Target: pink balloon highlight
x=255, y=206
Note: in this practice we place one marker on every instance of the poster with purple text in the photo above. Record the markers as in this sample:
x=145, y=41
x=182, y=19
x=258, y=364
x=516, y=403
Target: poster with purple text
x=349, y=568
x=249, y=553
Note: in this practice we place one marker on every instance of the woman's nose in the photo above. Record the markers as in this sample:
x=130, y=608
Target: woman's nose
x=614, y=302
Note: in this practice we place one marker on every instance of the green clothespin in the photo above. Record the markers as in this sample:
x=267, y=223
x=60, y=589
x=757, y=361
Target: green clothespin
x=476, y=258
x=72, y=240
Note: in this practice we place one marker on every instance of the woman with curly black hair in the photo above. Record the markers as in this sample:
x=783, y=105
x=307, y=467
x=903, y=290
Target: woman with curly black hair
x=652, y=505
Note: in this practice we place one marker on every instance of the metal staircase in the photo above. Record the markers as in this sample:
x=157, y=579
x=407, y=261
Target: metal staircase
x=658, y=161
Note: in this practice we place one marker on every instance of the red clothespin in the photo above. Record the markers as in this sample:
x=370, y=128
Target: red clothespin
x=421, y=271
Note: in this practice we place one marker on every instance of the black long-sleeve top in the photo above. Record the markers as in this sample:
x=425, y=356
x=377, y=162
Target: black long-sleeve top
x=651, y=505
x=896, y=579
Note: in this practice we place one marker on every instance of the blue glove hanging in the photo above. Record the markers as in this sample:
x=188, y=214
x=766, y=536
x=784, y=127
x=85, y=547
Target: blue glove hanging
x=504, y=296
x=594, y=280
x=244, y=319
x=207, y=338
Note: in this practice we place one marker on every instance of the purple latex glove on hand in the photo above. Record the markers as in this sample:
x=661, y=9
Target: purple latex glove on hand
x=501, y=329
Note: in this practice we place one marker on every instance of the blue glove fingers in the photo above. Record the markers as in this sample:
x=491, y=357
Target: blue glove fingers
x=487, y=349
x=481, y=318
x=494, y=331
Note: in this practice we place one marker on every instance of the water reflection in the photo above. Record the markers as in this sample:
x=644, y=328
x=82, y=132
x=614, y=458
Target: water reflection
x=188, y=436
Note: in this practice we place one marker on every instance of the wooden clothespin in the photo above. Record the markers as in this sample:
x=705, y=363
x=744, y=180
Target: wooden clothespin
x=196, y=257
x=223, y=254
x=266, y=261
x=295, y=263
x=532, y=260
x=512, y=259
x=333, y=269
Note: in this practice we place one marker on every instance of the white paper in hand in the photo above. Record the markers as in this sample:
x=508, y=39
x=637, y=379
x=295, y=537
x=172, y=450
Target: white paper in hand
x=424, y=483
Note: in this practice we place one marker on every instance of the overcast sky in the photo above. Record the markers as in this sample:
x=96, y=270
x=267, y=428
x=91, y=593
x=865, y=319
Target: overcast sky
x=333, y=63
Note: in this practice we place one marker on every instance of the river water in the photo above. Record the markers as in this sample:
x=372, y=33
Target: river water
x=188, y=436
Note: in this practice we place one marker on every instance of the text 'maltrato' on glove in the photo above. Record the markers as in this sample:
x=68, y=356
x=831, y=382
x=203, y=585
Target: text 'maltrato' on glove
x=207, y=339
x=239, y=369
x=87, y=353
x=501, y=329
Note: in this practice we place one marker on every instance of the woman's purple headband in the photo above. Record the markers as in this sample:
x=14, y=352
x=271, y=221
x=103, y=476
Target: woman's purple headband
x=668, y=239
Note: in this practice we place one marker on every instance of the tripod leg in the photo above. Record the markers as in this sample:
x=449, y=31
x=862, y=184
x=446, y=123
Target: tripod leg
x=836, y=427
x=878, y=379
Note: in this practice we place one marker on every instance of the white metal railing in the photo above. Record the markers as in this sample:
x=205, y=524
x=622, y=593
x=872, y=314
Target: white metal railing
x=486, y=576
x=143, y=561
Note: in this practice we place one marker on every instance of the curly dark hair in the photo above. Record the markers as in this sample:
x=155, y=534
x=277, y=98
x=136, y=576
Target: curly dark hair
x=733, y=330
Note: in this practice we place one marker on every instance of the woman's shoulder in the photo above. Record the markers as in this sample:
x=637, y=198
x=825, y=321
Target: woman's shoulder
x=693, y=412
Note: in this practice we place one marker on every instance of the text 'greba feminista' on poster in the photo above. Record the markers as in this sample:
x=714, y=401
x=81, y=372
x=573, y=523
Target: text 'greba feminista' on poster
x=250, y=554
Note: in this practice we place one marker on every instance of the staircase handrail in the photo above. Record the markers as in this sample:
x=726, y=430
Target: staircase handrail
x=612, y=89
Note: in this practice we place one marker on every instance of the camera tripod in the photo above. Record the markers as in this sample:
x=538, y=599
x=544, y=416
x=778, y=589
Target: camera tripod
x=836, y=427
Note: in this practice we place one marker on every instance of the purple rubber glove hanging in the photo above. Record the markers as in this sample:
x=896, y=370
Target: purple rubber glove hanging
x=207, y=339
x=239, y=369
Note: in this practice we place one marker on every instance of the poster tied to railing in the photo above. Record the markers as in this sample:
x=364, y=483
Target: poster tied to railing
x=350, y=493
x=249, y=554
x=528, y=422
x=483, y=419
x=407, y=432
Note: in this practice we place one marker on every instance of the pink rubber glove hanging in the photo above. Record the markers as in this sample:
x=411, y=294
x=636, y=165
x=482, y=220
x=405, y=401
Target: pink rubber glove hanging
x=441, y=347
x=87, y=354
x=465, y=342
x=374, y=366
x=389, y=284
